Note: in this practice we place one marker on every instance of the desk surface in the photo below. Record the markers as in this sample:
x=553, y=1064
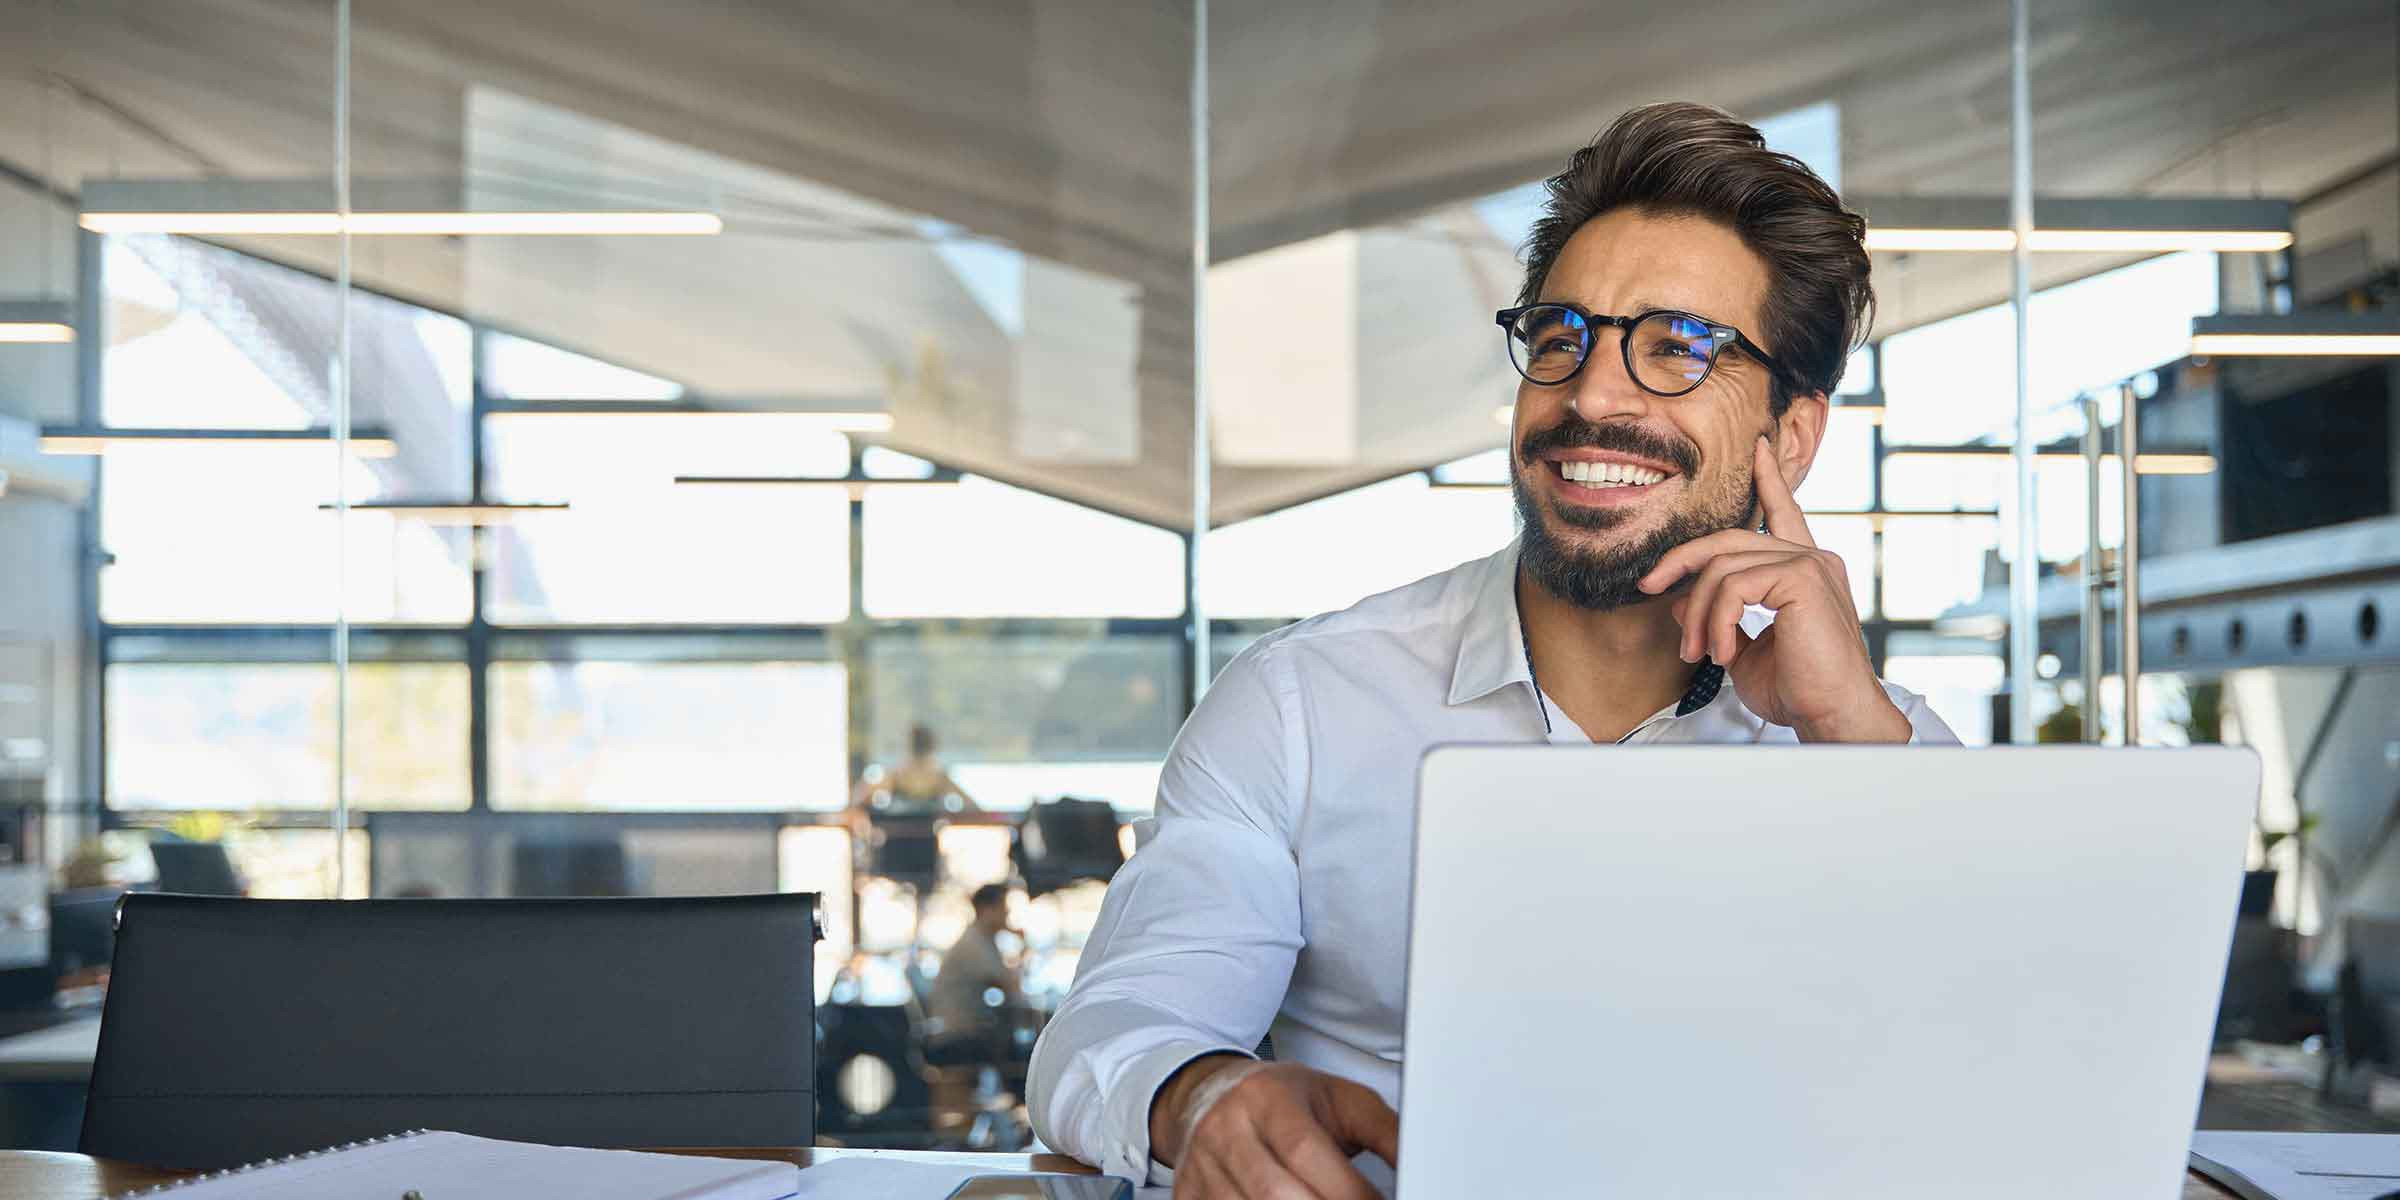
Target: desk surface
x=41, y=1175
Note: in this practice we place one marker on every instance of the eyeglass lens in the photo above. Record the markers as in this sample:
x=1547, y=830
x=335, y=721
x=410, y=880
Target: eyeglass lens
x=1668, y=353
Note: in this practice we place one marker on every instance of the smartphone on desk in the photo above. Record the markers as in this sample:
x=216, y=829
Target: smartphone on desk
x=1043, y=1187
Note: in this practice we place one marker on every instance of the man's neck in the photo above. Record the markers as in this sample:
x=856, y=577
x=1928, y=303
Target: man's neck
x=1607, y=670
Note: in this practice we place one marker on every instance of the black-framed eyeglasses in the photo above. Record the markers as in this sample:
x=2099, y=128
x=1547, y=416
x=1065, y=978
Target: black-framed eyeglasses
x=1668, y=353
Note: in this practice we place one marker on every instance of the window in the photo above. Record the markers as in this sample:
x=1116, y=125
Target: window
x=1298, y=562
x=240, y=737
x=985, y=549
x=669, y=735
x=1024, y=716
x=1933, y=564
x=1843, y=474
x=1957, y=677
x=1955, y=380
x=1853, y=538
x=234, y=533
x=635, y=547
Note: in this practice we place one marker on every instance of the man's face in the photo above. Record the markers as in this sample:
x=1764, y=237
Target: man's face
x=1587, y=543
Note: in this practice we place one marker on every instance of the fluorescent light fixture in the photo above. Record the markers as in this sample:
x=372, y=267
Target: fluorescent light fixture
x=2089, y=241
x=2330, y=334
x=100, y=439
x=2085, y=224
x=413, y=224
x=2161, y=241
x=835, y=415
x=2236, y=345
x=2168, y=464
x=453, y=512
x=36, y=322
x=1939, y=240
x=379, y=208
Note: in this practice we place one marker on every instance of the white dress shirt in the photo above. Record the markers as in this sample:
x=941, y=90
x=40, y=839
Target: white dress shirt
x=1274, y=894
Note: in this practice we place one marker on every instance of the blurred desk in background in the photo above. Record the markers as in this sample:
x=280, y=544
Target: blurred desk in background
x=44, y=1076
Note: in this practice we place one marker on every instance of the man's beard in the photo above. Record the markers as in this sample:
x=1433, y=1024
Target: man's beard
x=1603, y=579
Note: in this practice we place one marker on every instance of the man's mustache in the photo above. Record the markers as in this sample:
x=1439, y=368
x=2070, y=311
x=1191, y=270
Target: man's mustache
x=1575, y=433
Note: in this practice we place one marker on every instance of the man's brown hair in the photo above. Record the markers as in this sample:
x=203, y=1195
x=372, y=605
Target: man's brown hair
x=1688, y=159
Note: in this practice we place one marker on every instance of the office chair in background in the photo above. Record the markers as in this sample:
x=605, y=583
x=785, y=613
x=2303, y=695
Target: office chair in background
x=1066, y=841
x=236, y=1030
x=196, y=868
x=871, y=1084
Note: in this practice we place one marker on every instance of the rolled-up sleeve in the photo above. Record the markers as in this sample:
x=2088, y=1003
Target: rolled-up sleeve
x=1196, y=940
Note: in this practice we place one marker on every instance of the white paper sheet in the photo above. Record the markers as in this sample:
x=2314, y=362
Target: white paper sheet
x=455, y=1166
x=2306, y=1166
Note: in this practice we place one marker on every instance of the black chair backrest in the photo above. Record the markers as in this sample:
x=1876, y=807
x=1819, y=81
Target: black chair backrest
x=242, y=1029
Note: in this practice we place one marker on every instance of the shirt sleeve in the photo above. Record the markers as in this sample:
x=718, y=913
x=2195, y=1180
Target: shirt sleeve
x=1925, y=728
x=1196, y=940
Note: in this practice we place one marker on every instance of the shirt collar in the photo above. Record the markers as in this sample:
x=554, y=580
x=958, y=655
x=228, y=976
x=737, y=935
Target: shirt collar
x=1491, y=645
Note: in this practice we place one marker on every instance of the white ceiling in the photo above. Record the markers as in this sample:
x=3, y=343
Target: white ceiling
x=829, y=132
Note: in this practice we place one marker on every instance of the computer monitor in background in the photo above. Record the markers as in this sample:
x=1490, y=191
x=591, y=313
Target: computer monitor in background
x=83, y=928
x=575, y=866
x=196, y=868
x=1067, y=841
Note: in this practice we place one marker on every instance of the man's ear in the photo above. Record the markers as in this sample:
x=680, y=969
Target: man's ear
x=1798, y=436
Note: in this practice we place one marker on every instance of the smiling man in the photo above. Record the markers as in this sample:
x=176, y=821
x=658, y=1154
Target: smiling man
x=1690, y=298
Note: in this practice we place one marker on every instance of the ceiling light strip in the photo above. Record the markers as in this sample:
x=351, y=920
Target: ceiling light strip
x=411, y=224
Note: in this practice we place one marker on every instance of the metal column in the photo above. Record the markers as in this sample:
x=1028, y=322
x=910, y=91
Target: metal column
x=1195, y=617
x=2094, y=580
x=2129, y=569
x=2024, y=575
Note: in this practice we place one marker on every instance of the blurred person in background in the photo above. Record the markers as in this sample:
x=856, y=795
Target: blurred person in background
x=919, y=787
x=1690, y=300
x=975, y=990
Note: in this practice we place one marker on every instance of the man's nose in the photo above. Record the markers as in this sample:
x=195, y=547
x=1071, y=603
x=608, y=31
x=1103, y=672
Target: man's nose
x=1603, y=388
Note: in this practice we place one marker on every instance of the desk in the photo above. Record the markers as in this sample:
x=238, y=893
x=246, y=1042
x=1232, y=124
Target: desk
x=42, y=1175
x=38, y=1175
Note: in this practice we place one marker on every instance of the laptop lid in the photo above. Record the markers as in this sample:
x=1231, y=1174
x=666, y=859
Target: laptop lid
x=1815, y=972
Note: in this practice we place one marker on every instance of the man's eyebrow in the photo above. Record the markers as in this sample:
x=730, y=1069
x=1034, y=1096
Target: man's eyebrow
x=1643, y=306
x=1633, y=307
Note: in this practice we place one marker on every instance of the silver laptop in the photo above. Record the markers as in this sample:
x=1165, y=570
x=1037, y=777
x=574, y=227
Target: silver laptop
x=1815, y=972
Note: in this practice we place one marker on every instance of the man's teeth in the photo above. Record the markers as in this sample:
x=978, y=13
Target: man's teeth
x=1608, y=474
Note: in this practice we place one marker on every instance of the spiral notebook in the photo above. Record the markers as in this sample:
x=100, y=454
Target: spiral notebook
x=455, y=1166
